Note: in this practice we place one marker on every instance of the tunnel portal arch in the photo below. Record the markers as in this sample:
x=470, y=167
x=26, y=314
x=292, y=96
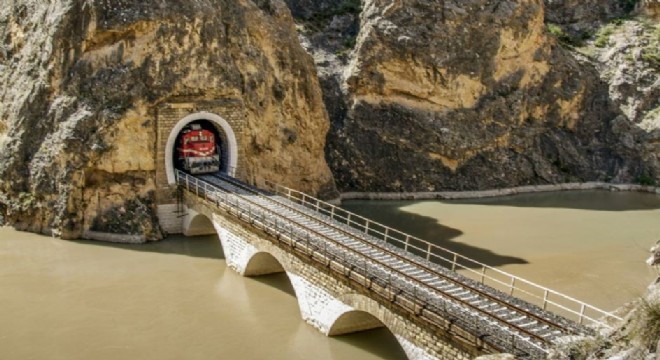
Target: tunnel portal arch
x=230, y=146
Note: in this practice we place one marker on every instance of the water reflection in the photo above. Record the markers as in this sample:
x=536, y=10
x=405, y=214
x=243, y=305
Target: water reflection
x=278, y=282
x=379, y=342
x=196, y=246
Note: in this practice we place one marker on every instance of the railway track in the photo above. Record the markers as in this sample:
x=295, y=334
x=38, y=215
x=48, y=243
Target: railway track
x=505, y=323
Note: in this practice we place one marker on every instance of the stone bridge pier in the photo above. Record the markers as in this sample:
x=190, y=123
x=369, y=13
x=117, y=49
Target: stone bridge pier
x=333, y=305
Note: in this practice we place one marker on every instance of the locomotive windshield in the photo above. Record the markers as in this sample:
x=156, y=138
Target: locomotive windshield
x=198, y=138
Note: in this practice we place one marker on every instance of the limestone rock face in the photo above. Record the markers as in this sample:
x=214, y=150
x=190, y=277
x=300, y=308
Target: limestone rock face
x=471, y=95
x=80, y=82
x=628, y=63
x=580, y=17
x=650, y=8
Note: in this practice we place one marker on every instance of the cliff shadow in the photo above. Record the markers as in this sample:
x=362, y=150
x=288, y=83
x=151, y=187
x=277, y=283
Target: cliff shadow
x=429, y=229
x=593, y=200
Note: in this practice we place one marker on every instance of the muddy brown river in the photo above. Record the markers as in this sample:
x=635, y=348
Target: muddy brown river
x=177, y=299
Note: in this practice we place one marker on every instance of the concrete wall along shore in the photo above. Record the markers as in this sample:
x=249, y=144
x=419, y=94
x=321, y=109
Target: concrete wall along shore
x=455, y=195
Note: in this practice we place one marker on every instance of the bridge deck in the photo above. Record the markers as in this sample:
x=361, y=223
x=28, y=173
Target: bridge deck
x=438, y=295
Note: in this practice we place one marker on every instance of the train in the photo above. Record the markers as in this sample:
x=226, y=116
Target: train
x=198, y=152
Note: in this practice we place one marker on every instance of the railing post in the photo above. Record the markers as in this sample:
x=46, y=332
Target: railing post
x=428, y=253
x=386, y=234
x=348, y=219
x=366, y=227
x=405, y=247
x=545, y=299
x=309, y=248
x=332, y=212
x=453, y=264
x=581, y=314
x=483, y=274
x=513, y=285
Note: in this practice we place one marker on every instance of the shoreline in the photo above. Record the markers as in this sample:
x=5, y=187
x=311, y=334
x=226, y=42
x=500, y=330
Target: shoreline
x=480, y=194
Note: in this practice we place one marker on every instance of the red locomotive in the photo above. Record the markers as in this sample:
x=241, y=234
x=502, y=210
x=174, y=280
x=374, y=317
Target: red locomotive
x=197, y=150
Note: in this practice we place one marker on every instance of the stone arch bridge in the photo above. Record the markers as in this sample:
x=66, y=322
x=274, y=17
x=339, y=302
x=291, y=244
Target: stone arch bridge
x=350, y=274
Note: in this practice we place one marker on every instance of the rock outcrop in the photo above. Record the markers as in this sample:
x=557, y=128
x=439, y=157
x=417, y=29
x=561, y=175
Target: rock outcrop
x=456, y=95
x=80, y=80
x=421, y=96
x=626, y=54
x=580, y=18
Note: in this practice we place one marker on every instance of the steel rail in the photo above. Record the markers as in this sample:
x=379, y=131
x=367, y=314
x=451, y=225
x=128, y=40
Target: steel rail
x=412, y=258
x=369, y=227
x=395, y=291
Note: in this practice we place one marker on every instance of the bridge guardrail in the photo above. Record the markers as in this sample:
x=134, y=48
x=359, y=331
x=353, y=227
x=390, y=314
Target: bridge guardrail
x=411, y=298
x=529, y=291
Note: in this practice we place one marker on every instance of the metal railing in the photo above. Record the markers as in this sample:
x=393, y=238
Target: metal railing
x=407, y=292
x=545, y=298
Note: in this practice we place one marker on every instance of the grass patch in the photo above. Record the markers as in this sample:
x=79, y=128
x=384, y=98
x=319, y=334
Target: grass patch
x=646, y=326
x=565, y=38
x=651, y=52
x=603, y=35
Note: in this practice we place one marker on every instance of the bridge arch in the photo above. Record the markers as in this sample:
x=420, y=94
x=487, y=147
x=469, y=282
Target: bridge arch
x=195, y=224
x=363, y=313
x=353, y=321
x=262, y=263
x=230, y=146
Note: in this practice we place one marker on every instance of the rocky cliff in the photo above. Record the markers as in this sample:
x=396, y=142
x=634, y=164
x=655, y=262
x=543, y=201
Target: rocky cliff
x=458, y=95
x=80, y=80
x=421, y=96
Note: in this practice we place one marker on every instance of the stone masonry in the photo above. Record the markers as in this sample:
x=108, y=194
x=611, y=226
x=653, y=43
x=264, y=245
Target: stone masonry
x=331, y=303
x=168, y=115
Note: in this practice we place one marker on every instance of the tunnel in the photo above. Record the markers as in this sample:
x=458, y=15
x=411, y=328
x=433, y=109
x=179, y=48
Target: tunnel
x=191, y=141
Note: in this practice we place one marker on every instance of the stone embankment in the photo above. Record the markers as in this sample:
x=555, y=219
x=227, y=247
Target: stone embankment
x=454, y=195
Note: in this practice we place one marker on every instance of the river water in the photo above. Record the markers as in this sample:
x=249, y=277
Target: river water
x=590, y=245
x=176, y=299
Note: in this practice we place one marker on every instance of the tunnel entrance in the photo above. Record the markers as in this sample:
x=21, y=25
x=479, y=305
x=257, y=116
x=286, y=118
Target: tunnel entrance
x=201, y=143
x=200, y=148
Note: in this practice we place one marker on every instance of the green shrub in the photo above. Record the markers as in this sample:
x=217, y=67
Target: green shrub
x=645, y=180
x=603, y=36
x=652, y=56
x=651, y=53
x=564, y=38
